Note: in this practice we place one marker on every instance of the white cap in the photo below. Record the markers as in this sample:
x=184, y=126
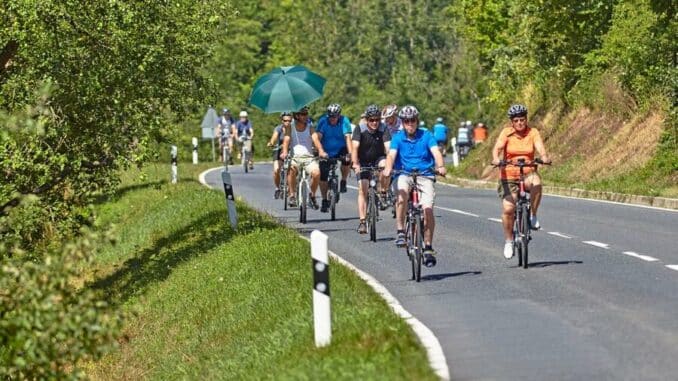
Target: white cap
x=243, y=114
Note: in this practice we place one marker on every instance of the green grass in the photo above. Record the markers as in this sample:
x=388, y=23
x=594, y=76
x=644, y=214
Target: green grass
x=206, y=302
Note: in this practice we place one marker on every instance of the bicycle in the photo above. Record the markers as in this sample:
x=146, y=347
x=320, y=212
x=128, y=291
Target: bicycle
x=372, y=201
x=332, y=186
x=226, y=154
x=414, y=226
x=522, y=231
x=303, y=187
x=246, y=151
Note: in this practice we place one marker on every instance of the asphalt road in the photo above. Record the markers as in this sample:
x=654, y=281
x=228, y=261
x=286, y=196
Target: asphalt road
x=598, y=302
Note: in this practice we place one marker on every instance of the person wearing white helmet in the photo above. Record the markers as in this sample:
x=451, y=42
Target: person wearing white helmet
x=464, y=139
x=224, y=129
x=390, y=118
x=243, y=130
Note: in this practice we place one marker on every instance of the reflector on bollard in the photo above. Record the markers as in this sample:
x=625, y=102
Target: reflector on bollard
x=230, y=199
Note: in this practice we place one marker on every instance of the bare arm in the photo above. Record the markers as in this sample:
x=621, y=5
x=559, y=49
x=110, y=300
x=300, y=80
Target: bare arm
x=390, y=159
x=497, y=150
x=438, y=157
x=316, y=136
x=354, y=156
x=541, y=149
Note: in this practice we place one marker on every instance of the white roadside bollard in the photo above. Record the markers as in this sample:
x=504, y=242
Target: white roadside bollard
x=322, y=317
x=455, y=154
x=230, y=199
x=173, y=155
x=195, y=150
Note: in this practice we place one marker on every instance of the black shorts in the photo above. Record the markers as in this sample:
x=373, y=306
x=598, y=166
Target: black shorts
x=325, y=165
x=276, y=154
x=366, y=175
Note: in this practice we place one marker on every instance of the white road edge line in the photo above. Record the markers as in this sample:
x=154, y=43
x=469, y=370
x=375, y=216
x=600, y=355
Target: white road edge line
x=613, y=202
x=557, y=234
x=641, y=256
x=436, y=356
x=495, y=220
x=457, y=211
x=597, y=244
x=673, y=267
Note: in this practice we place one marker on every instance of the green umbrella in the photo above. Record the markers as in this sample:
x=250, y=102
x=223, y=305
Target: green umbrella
x=286, y=88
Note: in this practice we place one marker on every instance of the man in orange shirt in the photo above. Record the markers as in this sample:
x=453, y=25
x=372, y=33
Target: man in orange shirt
x=516, y=142
x=479, y=133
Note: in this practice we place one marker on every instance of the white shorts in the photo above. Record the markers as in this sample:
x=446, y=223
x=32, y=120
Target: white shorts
x=427, y=192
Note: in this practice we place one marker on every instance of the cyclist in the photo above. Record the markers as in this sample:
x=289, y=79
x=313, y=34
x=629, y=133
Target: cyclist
x=440, y=132
x=412, y=149
x=391, y=119
x=464, y=139
x=224, y=125
x=332, y=139
x=244, y=131
x=518, y=141
x=370, y=145
x=276, y=141
x=298, y=136
x=479, y=133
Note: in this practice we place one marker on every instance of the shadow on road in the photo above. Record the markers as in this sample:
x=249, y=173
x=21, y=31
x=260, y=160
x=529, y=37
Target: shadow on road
x=449, y=275
x=553, y=263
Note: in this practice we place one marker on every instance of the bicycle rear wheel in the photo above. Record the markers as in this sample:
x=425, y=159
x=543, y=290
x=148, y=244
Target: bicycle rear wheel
x=372, y=214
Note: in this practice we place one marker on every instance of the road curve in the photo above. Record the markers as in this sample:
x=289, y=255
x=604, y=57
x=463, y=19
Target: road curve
x=599, y=300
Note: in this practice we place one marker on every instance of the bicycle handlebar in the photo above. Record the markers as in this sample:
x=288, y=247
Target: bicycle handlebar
x=521, y=163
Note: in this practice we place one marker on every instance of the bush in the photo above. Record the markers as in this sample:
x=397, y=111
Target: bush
x=46, y=325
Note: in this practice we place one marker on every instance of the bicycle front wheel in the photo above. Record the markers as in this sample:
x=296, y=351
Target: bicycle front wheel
x=525, y=227
x=517, y=237
x=303, y=206
x=333, y=196
x=409, y=247
x=372, y=214
x=419, y=243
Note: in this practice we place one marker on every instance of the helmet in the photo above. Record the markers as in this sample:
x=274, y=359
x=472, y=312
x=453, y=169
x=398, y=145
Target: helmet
x=422, y=124
x=517, y=110
x=468, y=123
x=225, y=111
x=372, y=111
x=243, y=114
x=408, y=112
x=439, y=119
x=389, y=111
x=334, y=109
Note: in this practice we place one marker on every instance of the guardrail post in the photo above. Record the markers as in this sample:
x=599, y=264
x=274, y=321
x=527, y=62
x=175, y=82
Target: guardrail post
x=322, y=318
x=195, y=150
x=230, y=199
x=173, y=155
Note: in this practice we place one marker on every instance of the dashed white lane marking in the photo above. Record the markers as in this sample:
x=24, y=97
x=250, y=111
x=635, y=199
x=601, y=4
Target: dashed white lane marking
x=352, y=187
x=495, y=219
x=673, y=267
x=641, y=256
x=457, y=211
x=597, y=244
x=561, y=235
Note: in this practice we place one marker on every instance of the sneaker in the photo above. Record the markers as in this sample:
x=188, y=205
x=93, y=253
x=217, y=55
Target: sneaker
x=362, y=227
x=429, y=257
x=276, y=194
x=400, y=240
x=293, y=202
x=534, y=223
x=508, y=249
x=313, y=202
x=342, y=186
x=325, y=207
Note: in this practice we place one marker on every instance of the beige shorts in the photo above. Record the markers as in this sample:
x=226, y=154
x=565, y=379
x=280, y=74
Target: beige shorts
x=508, y=189
x=310, y=163
x=427, y=192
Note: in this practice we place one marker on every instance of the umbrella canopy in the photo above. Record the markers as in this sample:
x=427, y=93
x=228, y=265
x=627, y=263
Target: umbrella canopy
x=286, y=88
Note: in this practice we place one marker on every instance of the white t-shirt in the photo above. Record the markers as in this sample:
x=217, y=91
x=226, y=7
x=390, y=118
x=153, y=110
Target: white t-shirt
x=302, y=144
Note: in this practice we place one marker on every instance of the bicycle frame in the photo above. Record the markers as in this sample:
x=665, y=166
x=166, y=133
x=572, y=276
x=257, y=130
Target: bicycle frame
x=372, y=200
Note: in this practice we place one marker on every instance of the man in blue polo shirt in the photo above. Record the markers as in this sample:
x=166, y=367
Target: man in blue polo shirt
x=415, y=149
x=332, y=137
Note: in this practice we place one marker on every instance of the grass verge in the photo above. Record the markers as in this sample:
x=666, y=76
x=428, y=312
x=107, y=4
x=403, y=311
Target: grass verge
x=205, y=302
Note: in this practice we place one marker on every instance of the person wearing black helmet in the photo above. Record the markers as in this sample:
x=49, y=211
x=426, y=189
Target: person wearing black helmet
x=276, y=142
x=370, y=145
x=519, y=141
x=224, y=125
x=332, y=139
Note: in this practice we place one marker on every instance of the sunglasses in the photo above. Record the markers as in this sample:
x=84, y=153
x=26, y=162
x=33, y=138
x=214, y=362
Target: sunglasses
x=409, y=120
x=287, y=120
x=373, y=120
